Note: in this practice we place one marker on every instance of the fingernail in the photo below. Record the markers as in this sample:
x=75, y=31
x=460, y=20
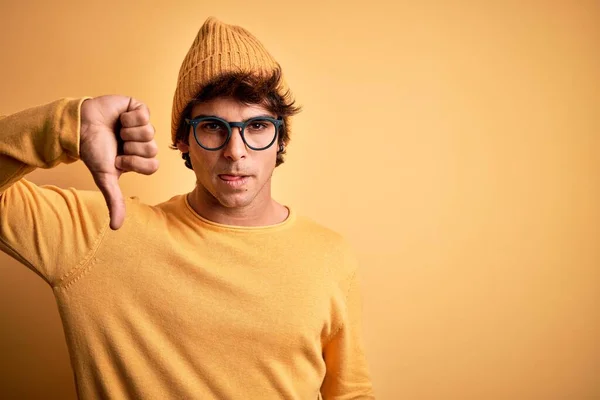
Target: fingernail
x=118, y=163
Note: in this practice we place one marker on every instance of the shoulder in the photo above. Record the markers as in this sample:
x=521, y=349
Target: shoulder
x=317, y=231
x=339, y=253
x=164, y=212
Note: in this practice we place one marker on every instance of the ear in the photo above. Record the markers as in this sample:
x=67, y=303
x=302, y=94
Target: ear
x=184, y=148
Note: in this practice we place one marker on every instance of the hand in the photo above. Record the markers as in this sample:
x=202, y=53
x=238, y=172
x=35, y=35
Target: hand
x=107, y=122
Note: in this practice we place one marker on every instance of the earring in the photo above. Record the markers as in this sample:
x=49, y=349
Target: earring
x=188, y=161
x=281, y=148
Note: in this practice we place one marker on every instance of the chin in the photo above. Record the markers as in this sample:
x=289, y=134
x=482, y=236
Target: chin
x=234, y=200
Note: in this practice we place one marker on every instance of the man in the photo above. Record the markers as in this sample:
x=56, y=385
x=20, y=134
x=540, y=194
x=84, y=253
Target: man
x=222, y=293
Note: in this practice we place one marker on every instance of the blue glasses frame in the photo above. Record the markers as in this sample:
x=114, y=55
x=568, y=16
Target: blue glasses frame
x=230, y=125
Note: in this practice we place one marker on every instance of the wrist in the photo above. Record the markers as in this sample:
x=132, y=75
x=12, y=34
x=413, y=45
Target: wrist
x=84, y=123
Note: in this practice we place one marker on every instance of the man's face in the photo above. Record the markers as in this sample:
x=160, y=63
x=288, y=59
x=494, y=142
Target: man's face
x=234, y=176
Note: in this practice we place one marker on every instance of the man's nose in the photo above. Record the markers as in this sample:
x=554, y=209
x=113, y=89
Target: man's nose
x=236, y=148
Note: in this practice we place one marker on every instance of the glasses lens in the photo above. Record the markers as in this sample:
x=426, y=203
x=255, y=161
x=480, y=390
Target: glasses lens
x=211, y=133
x=260, y=133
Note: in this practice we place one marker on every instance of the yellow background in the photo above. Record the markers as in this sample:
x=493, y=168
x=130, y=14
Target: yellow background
x=455, y=143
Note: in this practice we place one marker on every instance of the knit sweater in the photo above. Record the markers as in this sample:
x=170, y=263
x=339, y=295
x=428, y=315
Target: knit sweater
x=172, y=305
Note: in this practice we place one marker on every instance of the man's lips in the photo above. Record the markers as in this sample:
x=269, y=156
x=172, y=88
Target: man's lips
x=231, y=178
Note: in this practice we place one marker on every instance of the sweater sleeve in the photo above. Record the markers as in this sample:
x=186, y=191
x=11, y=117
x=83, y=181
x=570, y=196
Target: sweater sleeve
x=50, y=230
x=347, y=376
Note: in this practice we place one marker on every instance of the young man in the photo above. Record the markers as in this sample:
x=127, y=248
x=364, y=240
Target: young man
x=222, y=293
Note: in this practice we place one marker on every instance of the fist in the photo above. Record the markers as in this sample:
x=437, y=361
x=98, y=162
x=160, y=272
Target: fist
x=115, y=137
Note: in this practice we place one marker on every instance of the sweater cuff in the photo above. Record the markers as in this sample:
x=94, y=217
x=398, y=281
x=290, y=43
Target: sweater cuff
x=69, y=126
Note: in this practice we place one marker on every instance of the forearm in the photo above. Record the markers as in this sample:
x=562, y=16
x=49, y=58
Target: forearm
x=39, y=137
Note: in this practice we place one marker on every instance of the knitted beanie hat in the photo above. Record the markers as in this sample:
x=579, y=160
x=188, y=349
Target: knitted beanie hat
x=218, y=49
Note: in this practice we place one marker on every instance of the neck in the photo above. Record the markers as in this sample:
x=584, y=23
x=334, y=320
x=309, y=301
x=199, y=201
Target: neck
x=262, y=211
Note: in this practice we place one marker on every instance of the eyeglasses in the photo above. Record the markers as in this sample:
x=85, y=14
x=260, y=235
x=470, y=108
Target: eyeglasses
x=213, y=133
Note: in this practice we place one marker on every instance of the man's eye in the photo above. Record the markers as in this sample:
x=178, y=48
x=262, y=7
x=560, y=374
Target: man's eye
x=211, y=126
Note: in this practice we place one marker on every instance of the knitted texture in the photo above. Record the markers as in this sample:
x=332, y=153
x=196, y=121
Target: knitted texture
x=173, y=305
x=218, y=49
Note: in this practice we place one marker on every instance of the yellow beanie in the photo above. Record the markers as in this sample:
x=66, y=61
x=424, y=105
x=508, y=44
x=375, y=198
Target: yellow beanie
x=218, y=49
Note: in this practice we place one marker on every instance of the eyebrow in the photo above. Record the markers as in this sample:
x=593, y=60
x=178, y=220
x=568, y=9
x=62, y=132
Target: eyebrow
x=247, y=119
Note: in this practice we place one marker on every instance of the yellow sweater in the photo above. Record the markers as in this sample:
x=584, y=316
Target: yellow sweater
x=173, y=306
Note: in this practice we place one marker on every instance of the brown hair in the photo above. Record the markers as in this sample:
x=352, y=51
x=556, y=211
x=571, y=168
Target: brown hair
x=249, y=88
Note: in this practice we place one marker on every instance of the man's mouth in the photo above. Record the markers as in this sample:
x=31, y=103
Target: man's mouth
x=231, y=178
x=234, y=181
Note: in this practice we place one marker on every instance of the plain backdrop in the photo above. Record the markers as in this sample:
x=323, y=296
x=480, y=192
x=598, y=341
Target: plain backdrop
x=454, y=143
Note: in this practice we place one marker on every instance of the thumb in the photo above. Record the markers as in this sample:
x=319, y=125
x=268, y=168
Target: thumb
x=109, y=186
